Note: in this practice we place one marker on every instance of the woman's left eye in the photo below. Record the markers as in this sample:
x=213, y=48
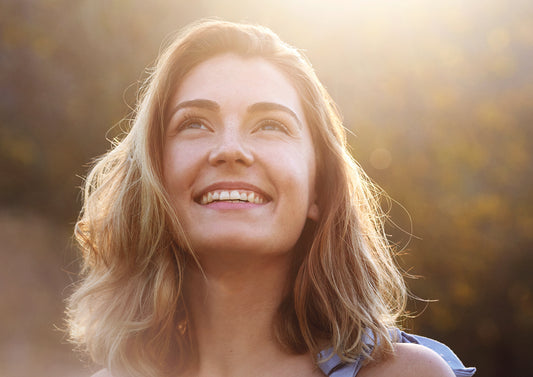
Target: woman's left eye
x=272, y=125
x=196, y=125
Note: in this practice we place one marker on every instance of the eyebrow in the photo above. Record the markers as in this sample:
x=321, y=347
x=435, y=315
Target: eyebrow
x=270, y=106
x=200, y=103
x=256, y=107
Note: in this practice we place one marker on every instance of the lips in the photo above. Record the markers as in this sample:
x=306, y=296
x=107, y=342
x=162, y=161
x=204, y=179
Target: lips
x=232, y=192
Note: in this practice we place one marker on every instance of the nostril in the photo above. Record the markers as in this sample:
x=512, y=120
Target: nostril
x=231, y=153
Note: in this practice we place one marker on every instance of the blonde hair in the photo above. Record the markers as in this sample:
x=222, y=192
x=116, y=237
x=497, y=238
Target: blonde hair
x=128, y=311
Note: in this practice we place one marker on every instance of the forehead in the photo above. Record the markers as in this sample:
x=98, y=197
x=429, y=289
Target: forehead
x=234, y=81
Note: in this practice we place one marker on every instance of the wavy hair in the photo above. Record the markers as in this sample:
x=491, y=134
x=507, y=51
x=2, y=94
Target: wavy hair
x=128, y=312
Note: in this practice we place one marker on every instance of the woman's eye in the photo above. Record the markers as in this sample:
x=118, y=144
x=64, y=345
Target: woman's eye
x=193, y=125
x=272, y=125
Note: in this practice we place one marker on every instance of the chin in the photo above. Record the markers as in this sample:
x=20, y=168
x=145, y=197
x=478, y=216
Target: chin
x=238, y=245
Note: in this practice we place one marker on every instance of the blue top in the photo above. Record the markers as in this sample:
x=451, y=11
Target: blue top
x=334, y=367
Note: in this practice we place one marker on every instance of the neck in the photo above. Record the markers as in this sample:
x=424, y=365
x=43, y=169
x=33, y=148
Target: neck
x=233, y=308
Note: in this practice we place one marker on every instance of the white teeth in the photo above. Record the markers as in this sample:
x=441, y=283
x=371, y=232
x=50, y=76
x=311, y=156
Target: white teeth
x=233, y=195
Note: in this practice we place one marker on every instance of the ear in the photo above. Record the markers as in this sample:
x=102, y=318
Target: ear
x=313, y=213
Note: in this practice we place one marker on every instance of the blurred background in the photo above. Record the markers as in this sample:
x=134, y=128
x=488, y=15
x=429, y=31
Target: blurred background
x=438, y=95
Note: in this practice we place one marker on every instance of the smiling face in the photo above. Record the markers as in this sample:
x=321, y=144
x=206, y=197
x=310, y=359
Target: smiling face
x=238, y=159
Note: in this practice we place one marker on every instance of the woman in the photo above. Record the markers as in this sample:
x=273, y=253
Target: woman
x=230, y=233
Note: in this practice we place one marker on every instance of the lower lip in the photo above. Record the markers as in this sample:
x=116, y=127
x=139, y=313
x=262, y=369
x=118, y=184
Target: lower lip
x=231, y=205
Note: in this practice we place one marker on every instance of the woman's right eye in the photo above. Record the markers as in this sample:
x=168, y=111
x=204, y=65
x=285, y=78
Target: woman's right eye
x=193, y=124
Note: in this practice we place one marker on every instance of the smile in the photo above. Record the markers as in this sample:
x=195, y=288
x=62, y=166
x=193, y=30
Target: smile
x=232, y=196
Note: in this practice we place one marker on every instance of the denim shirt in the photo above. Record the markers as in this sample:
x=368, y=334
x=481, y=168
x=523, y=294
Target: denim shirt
x=334, y=367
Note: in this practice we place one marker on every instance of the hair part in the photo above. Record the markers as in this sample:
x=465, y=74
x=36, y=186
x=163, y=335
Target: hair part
x=128, y=310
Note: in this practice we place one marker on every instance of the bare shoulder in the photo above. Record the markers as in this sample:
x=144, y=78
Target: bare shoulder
x=102, y=373
x=409, y=360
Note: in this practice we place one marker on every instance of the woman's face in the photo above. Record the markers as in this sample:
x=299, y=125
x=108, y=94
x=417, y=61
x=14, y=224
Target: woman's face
x=239, y=163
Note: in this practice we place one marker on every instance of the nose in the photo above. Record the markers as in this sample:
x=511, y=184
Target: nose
x=231, y=149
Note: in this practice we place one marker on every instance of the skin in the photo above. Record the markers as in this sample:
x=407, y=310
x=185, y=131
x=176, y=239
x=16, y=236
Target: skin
x=410, y=360
x=238, y=124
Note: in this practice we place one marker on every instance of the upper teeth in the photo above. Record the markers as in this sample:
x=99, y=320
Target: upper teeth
x=240, y=195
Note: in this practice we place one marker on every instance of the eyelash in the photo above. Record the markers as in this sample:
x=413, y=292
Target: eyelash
x=189, y=119
x=275, y=123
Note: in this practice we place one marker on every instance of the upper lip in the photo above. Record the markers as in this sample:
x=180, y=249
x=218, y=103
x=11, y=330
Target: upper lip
x=232, y=185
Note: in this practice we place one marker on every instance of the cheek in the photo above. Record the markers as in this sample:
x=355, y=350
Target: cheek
x=309, y=167
x=178, y=168
x=299, y=171
x=169, y=167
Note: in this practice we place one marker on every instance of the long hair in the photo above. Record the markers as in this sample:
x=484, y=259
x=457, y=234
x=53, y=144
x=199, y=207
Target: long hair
x=128, y=310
